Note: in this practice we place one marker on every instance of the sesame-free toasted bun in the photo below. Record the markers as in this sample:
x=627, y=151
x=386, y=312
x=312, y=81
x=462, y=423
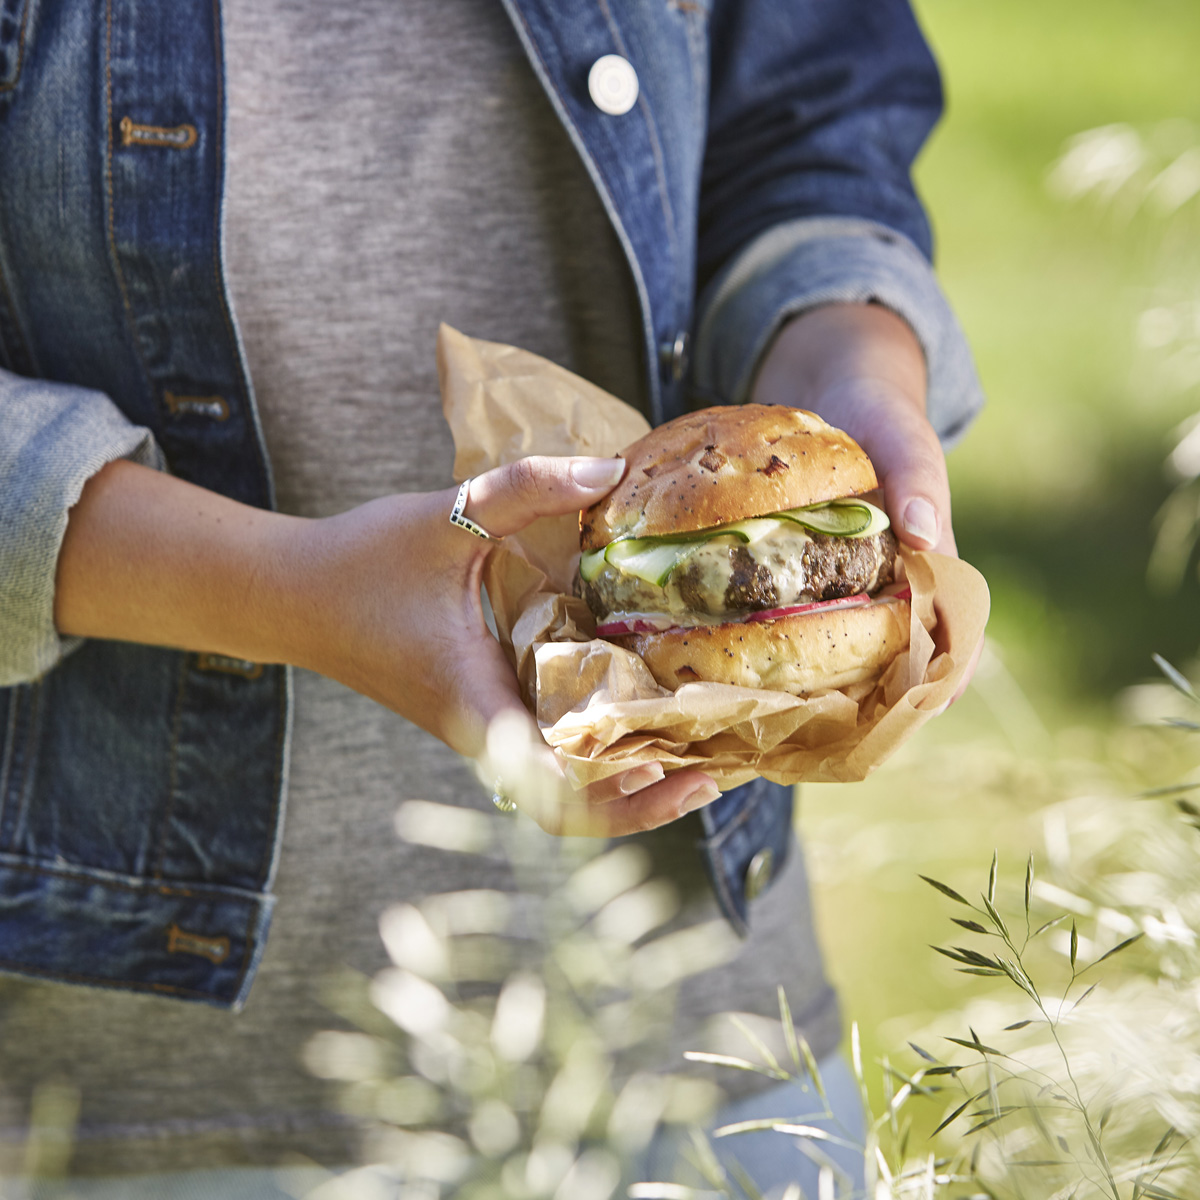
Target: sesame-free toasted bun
x=801, y=654
x=724, y=464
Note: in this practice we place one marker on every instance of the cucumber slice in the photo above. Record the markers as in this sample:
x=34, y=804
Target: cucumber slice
x=840, y=518
x=591, y=564
x=654, y=558
x=648, y=558
x=750, y=531
x=840, y=521
x=879, y=519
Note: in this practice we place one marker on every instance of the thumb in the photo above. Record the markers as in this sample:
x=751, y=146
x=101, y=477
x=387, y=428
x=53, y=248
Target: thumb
x=508, y=498
x=912, y=472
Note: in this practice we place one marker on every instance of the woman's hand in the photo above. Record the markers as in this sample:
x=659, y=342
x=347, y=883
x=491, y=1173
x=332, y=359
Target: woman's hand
x=860, y=367
x=384, y=598
x=404, y=587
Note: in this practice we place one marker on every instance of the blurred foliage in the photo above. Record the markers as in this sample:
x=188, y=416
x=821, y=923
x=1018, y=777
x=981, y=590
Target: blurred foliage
x=511, y=1050
x=983, y=777
x=1083, y=1080
x=1057, y=486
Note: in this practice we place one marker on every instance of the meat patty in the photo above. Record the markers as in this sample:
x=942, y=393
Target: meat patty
x=751, y=584
x=838, y=566
x=723, y=578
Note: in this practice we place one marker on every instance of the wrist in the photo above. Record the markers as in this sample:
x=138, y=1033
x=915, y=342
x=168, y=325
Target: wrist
x=842, y=352
x=276, y=565
x=327, y=587
x=861, y=402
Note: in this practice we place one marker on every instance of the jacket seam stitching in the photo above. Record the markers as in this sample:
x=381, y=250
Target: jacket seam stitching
x=721, y=880
x=8, y=87
x=20, y=968
x=264, y=870
x=241, y=382
x=34, y=719
x=169, y=137
x=148, y=379
x=534, y=53
x=744, y=813
x=183, y=891
x=6, y=762
x=248, y=942
x=281, y=735
x=12, y=322
x=172, y=770
x=695, y=19
x=655, y=146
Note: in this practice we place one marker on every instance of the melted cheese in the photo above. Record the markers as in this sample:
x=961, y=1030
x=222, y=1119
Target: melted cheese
x=704, y=575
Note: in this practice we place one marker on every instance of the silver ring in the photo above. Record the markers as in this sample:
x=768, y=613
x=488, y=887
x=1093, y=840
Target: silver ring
x=457, y=518
x=502, y=801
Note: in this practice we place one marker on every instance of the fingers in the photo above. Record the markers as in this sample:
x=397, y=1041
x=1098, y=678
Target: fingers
x=650, y=807
x=912, y=471
x=518, y=762
x=424, y=650
x=639, y=809
x=616, y=787
x=508, y=498
x=976, y=654
x=492, y=724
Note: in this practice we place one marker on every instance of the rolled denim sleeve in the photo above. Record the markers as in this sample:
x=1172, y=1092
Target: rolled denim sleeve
x=53, y=439
x=816, y=114
x=806, y=263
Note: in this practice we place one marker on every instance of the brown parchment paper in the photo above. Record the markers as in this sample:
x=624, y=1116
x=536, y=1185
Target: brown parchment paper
x=597, y=704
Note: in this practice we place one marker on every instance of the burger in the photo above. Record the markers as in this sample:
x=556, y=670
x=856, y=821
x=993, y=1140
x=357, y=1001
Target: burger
x=741, y=547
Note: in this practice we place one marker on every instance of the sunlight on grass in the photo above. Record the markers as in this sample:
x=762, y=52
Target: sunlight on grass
x=1057, y=485
x=1055, y=488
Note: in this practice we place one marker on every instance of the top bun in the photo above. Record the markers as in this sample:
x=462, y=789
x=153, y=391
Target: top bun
x=725, y=464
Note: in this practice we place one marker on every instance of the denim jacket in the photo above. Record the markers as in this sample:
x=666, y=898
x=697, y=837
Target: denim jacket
x=761, y=169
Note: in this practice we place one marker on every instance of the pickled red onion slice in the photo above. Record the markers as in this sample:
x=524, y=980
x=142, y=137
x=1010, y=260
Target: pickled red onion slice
x=614, y=628
x=795, y=610
x=641, y=625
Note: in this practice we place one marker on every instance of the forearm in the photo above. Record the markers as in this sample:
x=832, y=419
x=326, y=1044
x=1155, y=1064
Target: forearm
x=150, y=558
x=842, y=354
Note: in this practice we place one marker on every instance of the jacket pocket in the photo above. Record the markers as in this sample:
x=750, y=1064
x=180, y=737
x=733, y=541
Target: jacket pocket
x=14, y=15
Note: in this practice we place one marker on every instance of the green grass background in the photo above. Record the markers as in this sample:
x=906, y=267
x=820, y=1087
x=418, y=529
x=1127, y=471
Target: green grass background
x=1055, y=487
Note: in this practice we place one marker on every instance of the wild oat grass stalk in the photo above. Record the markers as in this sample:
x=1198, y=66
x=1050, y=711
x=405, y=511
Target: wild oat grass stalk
x=1085, y=1082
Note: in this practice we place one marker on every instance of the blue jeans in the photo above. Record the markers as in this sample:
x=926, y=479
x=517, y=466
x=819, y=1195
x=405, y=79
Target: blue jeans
x=772, y=1160
x=775, y=1160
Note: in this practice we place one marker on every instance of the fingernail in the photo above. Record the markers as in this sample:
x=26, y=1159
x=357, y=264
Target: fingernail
x=920, y=520
x=639, y=778
x=706, y=793
x=597, y=472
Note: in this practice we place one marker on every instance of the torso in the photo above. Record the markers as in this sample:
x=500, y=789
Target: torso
x=390, y=166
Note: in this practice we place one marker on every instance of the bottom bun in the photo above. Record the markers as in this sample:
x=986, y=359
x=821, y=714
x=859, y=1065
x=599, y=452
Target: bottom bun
x=801, y=654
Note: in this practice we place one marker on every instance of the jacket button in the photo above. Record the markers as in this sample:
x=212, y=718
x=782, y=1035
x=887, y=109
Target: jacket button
x=613, y=84
x=673, y=357
x=758, y=873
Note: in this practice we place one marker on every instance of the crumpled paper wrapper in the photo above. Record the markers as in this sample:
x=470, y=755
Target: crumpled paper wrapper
x=597, y=704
